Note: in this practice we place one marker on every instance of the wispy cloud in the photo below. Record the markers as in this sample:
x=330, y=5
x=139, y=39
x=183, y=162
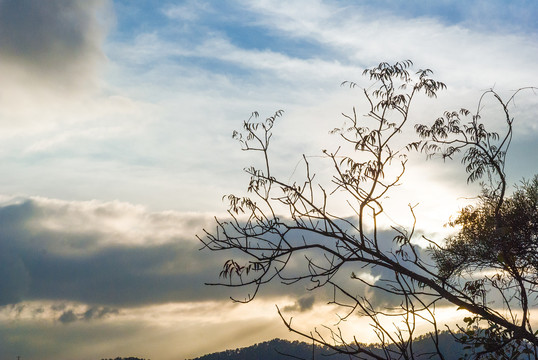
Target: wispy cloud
x=188, y=11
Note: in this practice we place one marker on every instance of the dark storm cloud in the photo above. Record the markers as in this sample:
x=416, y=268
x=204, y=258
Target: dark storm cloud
x=15, y=280
x=95, y=312
x=68, y=317
x=114, y=255
x=61, y=261
x=304, y=303
x=110, y=255
x=98, y=312
x=55, y=39
x=120, y=276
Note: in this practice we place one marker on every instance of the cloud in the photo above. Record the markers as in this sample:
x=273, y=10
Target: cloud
x=98, y=312
x=108, y=255
x=51, y=61
x=111, y=255
x=14, y=278
x=229, y=79
x=199, y=88
x=188, y=11
x=92, y=313
x=304, y=303
x=100, y=253
x=68, y=317
x=80, y=250
x=57, y=41
x=171, y=331
x=364, y=36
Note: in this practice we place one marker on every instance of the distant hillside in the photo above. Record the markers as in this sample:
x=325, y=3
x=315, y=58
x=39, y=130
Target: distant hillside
x=284, y=350
x=274, y=349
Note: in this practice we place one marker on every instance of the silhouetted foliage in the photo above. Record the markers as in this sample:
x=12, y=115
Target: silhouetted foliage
x=481, y=244
x=284, y=223
x=504, y=240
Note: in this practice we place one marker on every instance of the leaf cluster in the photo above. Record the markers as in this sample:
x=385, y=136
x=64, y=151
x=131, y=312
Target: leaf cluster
x=506, y=240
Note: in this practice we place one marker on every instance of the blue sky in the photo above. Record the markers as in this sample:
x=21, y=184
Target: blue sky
x=116, y=150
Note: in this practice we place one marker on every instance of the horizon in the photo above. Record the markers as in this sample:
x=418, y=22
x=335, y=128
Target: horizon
x=117, y=150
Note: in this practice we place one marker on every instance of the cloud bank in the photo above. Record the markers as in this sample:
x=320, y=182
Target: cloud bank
x=108, y=255
x=100, y=253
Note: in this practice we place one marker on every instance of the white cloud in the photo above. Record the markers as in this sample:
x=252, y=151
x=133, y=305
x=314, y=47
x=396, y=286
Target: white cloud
x=188, y=11
x=363, y=36
x=170, y=116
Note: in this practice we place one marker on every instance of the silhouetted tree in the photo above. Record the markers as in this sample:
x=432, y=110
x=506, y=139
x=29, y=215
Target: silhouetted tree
x=503, y=239
x=284, y=223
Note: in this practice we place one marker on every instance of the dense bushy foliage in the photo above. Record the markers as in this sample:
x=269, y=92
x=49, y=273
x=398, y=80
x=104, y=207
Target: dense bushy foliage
x=506, y=241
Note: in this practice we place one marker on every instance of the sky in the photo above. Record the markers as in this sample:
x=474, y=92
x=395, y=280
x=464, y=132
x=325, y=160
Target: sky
x=116, y=150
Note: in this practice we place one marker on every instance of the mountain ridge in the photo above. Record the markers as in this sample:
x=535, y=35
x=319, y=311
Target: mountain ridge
x=277, y=349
